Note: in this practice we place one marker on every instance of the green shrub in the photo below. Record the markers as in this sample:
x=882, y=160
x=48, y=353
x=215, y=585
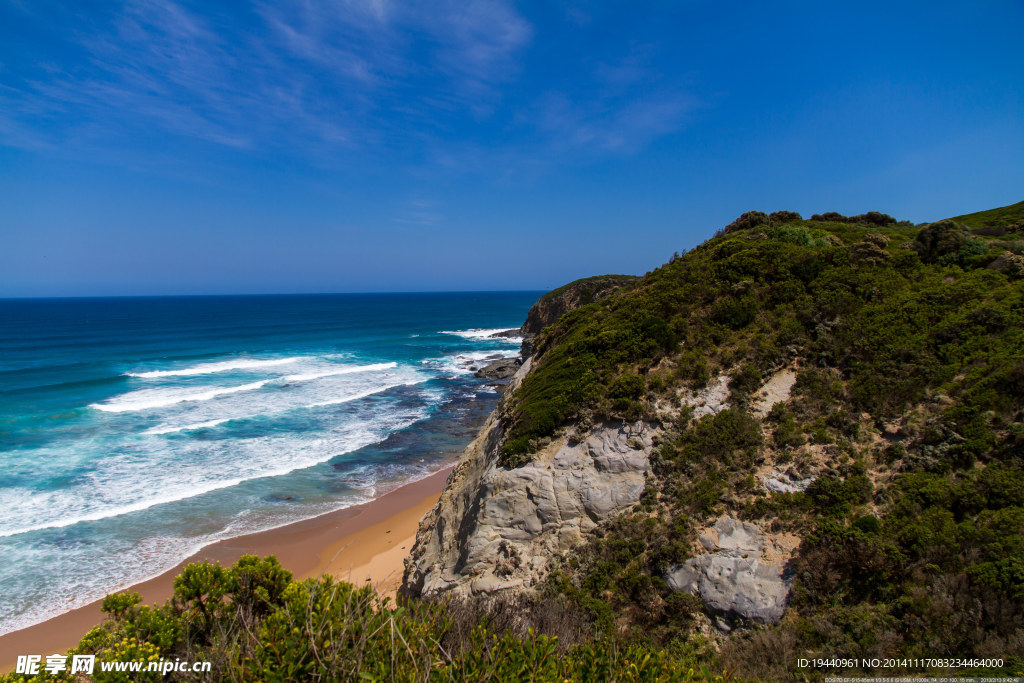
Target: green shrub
x=745, y=381
x=735, y=312
x=751, y=219
x=788, y=433
x=780, y=217
x=832, y=495
x=627, y=386
x=936, y=240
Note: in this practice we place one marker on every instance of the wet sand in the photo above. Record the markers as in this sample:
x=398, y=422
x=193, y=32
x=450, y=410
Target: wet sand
x=363, y=543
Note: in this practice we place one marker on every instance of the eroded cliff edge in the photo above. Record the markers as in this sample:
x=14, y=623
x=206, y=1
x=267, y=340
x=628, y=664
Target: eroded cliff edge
x=496, y=528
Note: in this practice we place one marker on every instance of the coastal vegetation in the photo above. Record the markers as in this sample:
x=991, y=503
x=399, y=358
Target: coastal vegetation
x=253, y=622
x=907, y=411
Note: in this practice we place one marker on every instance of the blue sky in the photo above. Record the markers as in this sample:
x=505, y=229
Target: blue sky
x=159, y=147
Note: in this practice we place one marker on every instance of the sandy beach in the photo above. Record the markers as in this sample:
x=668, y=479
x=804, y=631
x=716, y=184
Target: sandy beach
x=362, y=543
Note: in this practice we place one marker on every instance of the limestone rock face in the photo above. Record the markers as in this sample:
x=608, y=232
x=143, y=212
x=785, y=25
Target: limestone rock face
x=738, y=576
x=495, y=528
x=710, y=400
x=784, y=482
x=514, y=333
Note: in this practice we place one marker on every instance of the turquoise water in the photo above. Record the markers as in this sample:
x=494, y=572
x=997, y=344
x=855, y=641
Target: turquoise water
x=134, y=431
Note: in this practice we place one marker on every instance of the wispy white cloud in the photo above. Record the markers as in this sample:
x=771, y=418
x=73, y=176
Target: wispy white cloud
x=620, y=127
x=312, y=72
x=622, y=108
x=477, y=40
x=464, y=50
x=319, y=78
x=152, y=64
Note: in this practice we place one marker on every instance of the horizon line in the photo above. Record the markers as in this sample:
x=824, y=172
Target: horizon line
x=276, y=294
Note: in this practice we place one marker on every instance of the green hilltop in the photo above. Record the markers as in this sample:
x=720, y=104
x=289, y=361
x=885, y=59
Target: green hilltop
x=1007, y=218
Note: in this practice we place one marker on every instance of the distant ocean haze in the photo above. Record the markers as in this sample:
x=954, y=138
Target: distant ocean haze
x=135, y=431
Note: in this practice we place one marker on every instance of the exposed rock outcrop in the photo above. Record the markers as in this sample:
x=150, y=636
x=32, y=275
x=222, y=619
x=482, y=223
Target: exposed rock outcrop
x=739, y=577
x=784, y=482
x=496, y=528
x=710, y=400
x=777, y=389
x=499, y=369
x=507, y=334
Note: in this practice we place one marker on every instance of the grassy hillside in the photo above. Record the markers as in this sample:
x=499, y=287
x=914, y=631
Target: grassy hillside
x=908, y=408
x=1001, y=221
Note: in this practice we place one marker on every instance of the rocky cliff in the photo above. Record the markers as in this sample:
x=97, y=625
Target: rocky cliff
x=496, y=528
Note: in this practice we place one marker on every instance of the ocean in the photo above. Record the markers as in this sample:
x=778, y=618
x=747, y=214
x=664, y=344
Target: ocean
x=135, y=431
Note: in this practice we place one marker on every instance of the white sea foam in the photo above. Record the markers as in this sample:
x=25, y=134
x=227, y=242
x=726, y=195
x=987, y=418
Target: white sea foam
x=68, y=587
x=363, y=394
x=171, y=495
x=286, y=396
x=223, y=366
x=340, y=371
x=485, y=335
x=170, y=429
x=148, y=399
x=120, y=485
x=71, y=587
x=468, y=362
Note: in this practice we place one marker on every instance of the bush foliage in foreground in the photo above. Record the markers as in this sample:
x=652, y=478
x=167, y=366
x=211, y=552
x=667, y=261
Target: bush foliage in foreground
x=254, y=623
